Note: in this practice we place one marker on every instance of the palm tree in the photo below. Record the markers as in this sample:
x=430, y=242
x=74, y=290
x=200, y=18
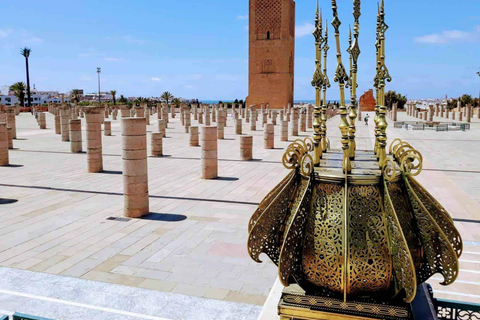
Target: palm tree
x=26, y=53
x=478, y=73
x=176, y=102
x=76, y=95
x=114, y=95
x=19, y=91
x=167, y=96
x=122, y=99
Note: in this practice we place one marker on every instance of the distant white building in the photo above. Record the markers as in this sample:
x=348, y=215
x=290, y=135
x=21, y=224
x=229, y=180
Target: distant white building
x=36, y=97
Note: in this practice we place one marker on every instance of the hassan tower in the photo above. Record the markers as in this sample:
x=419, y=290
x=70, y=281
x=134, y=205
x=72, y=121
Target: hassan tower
x=271, y=52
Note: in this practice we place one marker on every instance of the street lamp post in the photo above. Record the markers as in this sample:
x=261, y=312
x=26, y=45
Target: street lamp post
x=99, y=70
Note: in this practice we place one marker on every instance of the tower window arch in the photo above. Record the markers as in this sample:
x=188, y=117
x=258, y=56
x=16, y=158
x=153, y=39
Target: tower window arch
x=268, y=35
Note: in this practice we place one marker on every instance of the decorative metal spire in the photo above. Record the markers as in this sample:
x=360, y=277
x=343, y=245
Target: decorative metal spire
x=318, y=82
x=382, y=77
x=342, y=78
x=326, y=85
x=354, y=51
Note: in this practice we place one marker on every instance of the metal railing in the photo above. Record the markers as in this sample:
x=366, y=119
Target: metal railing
x=453, y=310
x=434, y=126
x=21, y=316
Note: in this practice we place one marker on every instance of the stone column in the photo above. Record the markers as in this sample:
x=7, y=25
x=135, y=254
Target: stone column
x=3, y=144
x=274, y=117
x=268, y=136
x=135, y=169
x=238, y=126
x=140, y=111
x=442, y=111
x=460, y=115
x=94, y=117
x=10, y=137
x=75, y=136
x=309, y=117
x=264, y=118
x=447, y=112
x=253, y=116
x=469, y=113
x=165, y=114
x=214, y=114
x=246, y=146
x=453, y=114
x=65, y=122
x=124, y=112
x=157, y=144
x=42, y=122
x=478, y=112
x=209, y=153
x=200, y=117
x=295, y=121
x=303, y=121
x=207, y=116
x=394, y=112
x=172, y=109
x=220, y=124
x=147, y=116
x=114, y=114
x=284, y=130
x=194, y=136
x=162, y=127
x=107, y=128
x=132, y=112
x=188, y=121
x=431, y=112
x=11, y=122
x=247, y=115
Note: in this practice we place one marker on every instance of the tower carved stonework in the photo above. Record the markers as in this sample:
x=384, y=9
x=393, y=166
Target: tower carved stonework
x=271, y=52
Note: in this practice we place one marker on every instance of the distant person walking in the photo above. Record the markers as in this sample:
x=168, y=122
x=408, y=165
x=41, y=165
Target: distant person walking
x=366, y=119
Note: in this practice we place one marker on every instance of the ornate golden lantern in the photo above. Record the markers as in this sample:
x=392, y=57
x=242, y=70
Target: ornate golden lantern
x=353, y=231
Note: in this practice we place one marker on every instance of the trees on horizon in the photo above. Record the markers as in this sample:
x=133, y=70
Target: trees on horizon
x=167, y=96
x=19, y=89
x=114, y=95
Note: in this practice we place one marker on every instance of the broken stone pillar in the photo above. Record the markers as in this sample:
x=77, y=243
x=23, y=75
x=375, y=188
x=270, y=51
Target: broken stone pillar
x=253, y=118
x=10, y=137
x=264, y=118
x=282, y=113
x=75, y=135
x=238, y=126
x=147, y=116
x=394, y=112
x=220, y=124
x=303, y=122
x=132, y=112
x=309, y=116
x=65, y=122
x=3, y=144
x=107, y=128
x=165, y=114
x=188, y=121
x=42, y=121
x=194, y=136
x=246, y=148
x=295, y=121
x=200, y=117
x=207, y=116
x=431, y=112
x=94, y=118
x=214, y=114
x=157, y=144
x=10, y=110
x=124, y=112
x=274, y=117
x=140, y=111
x=469, y=113
x=135, y=169
x=284, y=130
x=460, y=115
x=268, y=136
x=478, y=112
x=442, y=111
x=162, y=127
x=172, y=113
x=209, y=153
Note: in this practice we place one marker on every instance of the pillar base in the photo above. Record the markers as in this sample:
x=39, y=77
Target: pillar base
x=296, y=305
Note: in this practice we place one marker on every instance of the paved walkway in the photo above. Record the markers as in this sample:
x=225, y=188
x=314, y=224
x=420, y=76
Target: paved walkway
x=194, y=242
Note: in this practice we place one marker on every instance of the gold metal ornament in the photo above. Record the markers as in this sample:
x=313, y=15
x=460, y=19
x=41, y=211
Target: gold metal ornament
x=354, y=239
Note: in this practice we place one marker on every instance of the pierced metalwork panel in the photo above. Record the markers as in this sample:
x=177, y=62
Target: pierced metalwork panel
x=405, y=218
x=269, y=198
x=439, y=256
x=369, y=261
x=265, y=236
x=440, y=215
x=290, y=263
x=323, y=259
x=403, y=266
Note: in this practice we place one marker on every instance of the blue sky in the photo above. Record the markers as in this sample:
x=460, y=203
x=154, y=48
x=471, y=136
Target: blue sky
x=199, y=49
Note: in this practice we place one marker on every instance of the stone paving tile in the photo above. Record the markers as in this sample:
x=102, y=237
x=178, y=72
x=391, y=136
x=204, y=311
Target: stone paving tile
x=59, y=224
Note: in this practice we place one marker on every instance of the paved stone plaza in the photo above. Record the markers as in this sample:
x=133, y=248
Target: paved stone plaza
x=194, y=241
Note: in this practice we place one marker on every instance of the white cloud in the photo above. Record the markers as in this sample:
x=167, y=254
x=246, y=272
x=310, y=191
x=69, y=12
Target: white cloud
x=156, y=79
x=304, y=29
x=5, y=32
x=32, y=40
x=450, y=36
x=131, y=39
x=239, y=17
x=113, y=59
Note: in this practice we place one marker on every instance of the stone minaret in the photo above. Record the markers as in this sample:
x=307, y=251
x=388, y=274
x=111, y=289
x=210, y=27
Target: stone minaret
x=271, y=53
